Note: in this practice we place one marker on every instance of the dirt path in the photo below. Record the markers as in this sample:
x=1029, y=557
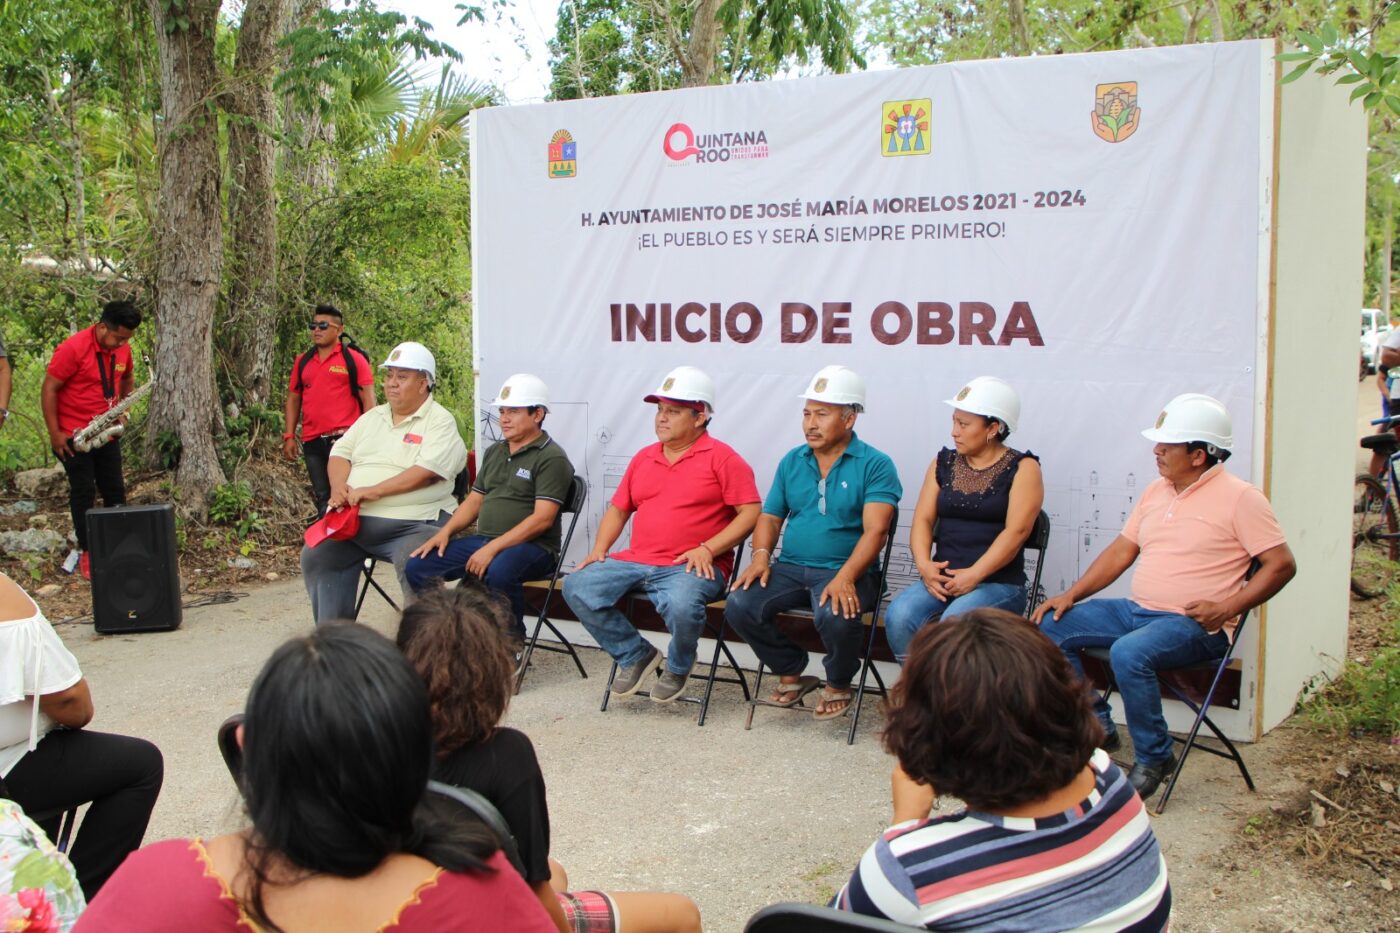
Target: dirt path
x=641, y=798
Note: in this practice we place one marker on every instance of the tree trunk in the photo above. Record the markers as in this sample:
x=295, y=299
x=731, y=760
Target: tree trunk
x=698, y=63
x=1020, y=29
x=252, y=202
x=307, y=160
x=190, y=247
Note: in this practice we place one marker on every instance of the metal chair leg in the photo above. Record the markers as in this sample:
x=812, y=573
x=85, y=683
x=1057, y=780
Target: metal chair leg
x=753, y=700
x=527, y=654
x=569, y=646
x=710, y=682
x=865, y=666
x=607, y=690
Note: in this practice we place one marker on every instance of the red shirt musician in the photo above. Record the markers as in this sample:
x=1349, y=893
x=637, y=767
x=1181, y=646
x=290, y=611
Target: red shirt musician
x=331, y=385
x=89, y=373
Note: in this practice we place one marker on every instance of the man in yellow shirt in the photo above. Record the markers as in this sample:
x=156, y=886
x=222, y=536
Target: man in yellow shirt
x=397, y=463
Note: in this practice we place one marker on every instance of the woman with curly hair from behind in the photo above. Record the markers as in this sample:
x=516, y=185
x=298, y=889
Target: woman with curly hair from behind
x=457, y=640
x=1053, y=837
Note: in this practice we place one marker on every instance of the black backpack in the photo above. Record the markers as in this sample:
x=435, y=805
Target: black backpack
x=351, y=368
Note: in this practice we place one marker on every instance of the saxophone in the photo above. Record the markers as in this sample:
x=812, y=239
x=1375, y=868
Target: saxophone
x=105, y=426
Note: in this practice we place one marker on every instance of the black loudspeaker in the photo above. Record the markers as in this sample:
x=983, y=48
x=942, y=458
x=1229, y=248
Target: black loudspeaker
x=135, y=576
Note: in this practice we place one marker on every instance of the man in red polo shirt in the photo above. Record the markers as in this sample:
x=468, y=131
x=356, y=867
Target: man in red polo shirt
x=320, y=394
x=89, y=373
x=692, y=499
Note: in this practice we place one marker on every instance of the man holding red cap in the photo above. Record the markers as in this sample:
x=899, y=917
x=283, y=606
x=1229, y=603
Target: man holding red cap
x=691, y=499
x=396, y=464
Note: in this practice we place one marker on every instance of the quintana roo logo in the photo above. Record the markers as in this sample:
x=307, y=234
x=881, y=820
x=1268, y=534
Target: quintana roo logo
x=904, y=127
x=563, y=155
x=1116, y=113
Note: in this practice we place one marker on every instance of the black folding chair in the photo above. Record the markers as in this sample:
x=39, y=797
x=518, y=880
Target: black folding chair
x=720, y=648
x=578, y=495
x=1178, y=682
x=867, y=662
x=1038, y=541
x=808, y=918
x=369, y=581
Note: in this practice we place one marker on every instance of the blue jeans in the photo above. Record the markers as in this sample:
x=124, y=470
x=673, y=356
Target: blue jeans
x=680, y=598
x=912, y=609
x=1140, y=642
x=791, y=586
x=505, y=574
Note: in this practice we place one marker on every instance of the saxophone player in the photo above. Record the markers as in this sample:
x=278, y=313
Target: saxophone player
x=89, y=373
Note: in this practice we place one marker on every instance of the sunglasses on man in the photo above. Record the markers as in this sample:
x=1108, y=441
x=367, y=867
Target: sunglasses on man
x=319, y=325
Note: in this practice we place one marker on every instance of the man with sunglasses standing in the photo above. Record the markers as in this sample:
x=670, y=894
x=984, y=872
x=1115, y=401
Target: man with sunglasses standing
x=837, y=495
x=331, y=385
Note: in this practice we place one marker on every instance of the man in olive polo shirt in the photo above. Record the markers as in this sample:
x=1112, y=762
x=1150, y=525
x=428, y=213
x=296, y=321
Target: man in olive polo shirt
x=515, y=502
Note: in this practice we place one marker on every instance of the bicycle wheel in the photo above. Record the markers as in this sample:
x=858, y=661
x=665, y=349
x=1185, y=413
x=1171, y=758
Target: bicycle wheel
x=1374, y=545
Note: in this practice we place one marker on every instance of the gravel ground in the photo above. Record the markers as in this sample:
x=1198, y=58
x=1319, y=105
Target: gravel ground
x=640, y=798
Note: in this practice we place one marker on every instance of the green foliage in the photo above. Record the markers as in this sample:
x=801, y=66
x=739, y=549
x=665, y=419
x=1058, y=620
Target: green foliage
x=1365, y=697
x=391, y=251
x=168, y=449
x=253, y=424
x=230, y=504
x=605, y=47
x=340, y=45
x=1370, y=69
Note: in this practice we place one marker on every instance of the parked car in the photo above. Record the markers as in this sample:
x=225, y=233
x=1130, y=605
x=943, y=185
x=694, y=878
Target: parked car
x=1374, y=328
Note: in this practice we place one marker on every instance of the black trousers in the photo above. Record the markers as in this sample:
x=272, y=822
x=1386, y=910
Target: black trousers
x=96, y=470
x=317, y=453
x=119, y=775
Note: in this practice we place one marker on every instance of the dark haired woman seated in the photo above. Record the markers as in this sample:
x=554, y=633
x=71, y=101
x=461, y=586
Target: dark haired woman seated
x=457, y=641
x=337, y=745
x=1053, y=837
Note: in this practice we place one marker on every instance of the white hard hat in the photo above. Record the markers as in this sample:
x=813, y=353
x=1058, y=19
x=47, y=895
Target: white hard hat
x=410, y=355
x=989, y=397
x=836, y=385
x=522, y=391
x=685, y=384
x=1193, y=417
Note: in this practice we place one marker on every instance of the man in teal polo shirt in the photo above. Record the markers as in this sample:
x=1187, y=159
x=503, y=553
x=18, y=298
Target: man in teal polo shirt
x=838, y=496
x=515, y=502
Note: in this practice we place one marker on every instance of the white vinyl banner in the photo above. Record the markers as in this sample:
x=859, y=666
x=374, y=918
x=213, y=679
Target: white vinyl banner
x=1086, y=227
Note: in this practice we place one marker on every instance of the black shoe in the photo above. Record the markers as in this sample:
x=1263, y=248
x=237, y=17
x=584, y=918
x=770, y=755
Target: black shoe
x=1111, y=742
x=1147, y=778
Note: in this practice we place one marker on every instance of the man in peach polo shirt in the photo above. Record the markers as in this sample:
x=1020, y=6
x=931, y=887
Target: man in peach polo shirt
x=1195, y=530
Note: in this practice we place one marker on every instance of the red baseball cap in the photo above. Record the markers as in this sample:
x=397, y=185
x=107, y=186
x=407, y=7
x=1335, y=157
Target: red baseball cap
x=338, y=524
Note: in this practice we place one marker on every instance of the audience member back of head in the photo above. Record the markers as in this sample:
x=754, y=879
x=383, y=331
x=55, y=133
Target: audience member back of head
x=337, y=747
x=1053, y=838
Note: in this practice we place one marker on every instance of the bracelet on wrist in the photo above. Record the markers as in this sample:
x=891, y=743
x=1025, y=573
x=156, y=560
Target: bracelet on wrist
x=288, y=435
x=763, y=550
x=707, y=548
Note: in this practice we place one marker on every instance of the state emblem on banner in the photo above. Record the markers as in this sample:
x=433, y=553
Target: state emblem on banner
x=563, y=155
x=904, y=127
x=1116, y=113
